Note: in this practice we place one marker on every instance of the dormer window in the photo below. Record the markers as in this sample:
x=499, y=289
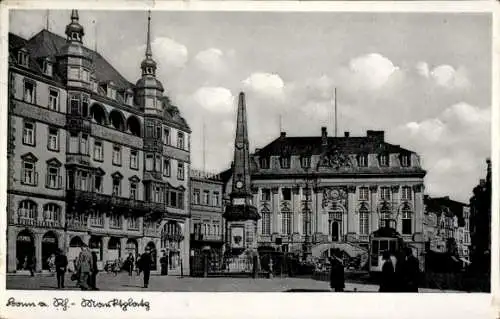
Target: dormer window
x=129, y=98
x=47, y=68
x=405, y=160
x=285, y=162
x=305, y=162
x=111, y=93
x=384, y=160
x=75, y=36
x=85, y=75
x=23, y=58
x=264, y=162
x=363, y=160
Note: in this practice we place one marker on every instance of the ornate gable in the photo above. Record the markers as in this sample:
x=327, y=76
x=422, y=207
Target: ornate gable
x=117, y=175
x=54, y=162
x=29, y=157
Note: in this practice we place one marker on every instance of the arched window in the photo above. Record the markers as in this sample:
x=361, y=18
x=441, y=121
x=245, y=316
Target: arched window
x=286, y=222
x=364, y=217
x=385, y=216
x=266, y=222
x=406, y=220
x=51, y=212
x=27, y=210
x=335, y=222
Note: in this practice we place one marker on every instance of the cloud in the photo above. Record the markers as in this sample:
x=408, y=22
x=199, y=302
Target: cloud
x=423, y=69
x=168, y=52
x=444, y=75
x=214, y=99
x=265, y=84
x=210, y=60
x=372, y=70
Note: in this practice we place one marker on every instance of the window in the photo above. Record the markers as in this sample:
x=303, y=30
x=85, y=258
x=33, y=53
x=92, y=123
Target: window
x=98, y=184
x=53, y=177
x=266, y=194
x=364, y=217
x=134, y=159
x=385, y=217
x=73, y=142
x=364, y=193
x=180, y=170
x=406, y=221
x=158, y=132
x=133, y=223
x=53, y=139
x=196, y=196
x=266, y=222
x=206, y=196
x=173, y=199
x=29, y=174
x=96, y=218
x=286, y=222
x=27, y=210
x=384, y=160
x=74, y=73
x=385, y=193
x=180, y=200
x=157, y=194
x=306, y=224
x=117, y=155
x=117, y=187
x=53, y=100
x=84, y=145
x=405, y=160
x=180, y=140
x=216, y=201
x=133, y=190
x=51, y=212
x=85, y=75
x=23, y=58
x=285, y=162
x=149, y=162
x=74, y=104
x=85, y=106
x=264, y=162
x=166, y=167
x=98, y=151
x=157, y=163
x=406, y=193
x=29, y=92
x=84, y=181
x=305, y=162
x=287, y=193
x=363, y=160
x=47, y=68
x=29, y=133
x=115, y=221
x=166, y=136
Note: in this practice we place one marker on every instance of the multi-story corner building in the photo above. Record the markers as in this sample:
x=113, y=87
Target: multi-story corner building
x=326, y=192
x=92, y=157
x=206, y=213
x=446, y=226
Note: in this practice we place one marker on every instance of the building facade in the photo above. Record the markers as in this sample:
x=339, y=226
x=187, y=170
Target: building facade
x=446, y=226
x=92, y=158
x=317, y=193
x=207, y=225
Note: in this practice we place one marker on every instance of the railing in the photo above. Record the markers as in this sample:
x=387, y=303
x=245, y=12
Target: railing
x=364, y=237
x=207, y=237
x=38, y=223
x=77, y=225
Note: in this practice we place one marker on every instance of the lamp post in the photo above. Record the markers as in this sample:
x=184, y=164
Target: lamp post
x=310, y=179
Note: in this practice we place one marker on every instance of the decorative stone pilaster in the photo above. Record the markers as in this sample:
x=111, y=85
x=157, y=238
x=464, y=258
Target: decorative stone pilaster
x=351, y=212
x=105, y=241
x=373, y=206
x=296, y=208
x=275, y=204
x=11, y=249
x=38, y=251
x=419, y=209
x=123, y=245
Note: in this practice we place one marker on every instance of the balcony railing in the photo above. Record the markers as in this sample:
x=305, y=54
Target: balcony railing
x=38, y=223
x=207, y=237
x=77, y=225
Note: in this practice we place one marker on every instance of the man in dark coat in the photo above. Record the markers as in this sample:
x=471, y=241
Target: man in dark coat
x=61, y=263
x=93, y=274
x=411, y=271
x=388, y=276
x=164, y=264
x=130, y=264
x=32, y=265
x=337, y=272
x=145, y=266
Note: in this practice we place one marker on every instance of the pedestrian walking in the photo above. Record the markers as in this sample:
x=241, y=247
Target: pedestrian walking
x=130, y=264
x=84, y=267
x=164, y=264
x=410, y=271
x=93, y=274
x=145, y=266
x=387, y=278
x=31, y=263
x=61, y=263
x=337, y=281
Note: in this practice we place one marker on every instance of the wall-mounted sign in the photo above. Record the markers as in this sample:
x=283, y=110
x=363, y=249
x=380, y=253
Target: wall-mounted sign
x=237, y=237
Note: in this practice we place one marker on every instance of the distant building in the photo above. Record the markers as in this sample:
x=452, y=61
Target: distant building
x=446, y=226
x=320, y=192
x=480, y=223
x=92, y=158
x=207, y=225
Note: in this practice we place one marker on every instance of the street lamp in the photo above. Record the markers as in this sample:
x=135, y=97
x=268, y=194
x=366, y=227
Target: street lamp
x=310, y=179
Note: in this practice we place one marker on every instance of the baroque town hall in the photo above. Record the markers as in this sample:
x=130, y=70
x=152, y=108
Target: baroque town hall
x=92, y=157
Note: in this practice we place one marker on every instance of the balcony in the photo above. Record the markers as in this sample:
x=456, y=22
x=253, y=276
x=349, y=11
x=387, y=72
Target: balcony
x=107, y=133
x=38, y=223
x=77, y=123
x=94, y=198
x=77, y=224
x=153, y=145
x=207, y=237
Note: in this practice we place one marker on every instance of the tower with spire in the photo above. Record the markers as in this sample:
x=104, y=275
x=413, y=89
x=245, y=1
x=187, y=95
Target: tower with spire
x=149, y=89
x=240, y=214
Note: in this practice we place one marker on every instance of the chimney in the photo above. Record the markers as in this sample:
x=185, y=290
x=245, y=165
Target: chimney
x=346, y=134
x=324, y=136
x=282, y=134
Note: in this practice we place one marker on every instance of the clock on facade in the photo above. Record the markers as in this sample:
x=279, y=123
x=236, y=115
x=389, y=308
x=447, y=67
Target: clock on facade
x=239, y=184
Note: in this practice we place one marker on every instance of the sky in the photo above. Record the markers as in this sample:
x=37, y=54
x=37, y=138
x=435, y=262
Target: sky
x=423, y=78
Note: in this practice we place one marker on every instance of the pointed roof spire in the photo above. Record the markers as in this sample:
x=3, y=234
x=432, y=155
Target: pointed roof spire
x=241, y=170
x=74, y=15
x=149, y=52
x=74, y=30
